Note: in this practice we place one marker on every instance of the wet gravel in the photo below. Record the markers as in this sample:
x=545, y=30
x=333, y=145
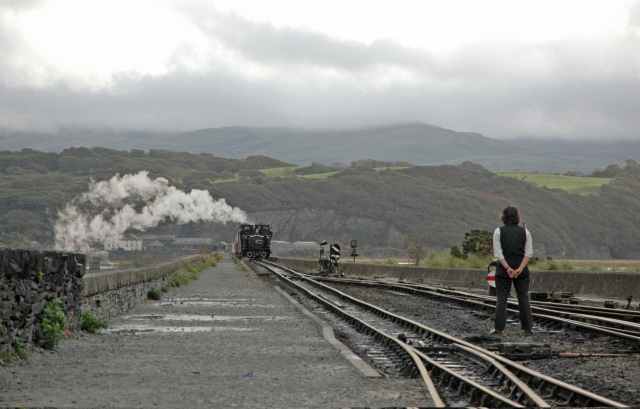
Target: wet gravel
x=616, y=378
x=226, y=340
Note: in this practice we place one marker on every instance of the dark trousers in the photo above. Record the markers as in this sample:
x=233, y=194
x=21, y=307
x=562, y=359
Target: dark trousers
x=503, y=289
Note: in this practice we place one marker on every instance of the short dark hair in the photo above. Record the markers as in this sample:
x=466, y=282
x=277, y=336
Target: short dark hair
x=510, y=215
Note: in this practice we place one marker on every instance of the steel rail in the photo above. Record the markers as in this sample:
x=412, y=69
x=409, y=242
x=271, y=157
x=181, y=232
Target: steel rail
x=475, y=391
x=572, y=395
x=487, y=302
x=380, y=336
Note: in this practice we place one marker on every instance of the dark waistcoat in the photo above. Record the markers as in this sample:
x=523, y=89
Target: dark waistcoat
x=512, y=240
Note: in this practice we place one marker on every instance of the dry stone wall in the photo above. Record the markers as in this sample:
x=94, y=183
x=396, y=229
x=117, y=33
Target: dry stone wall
x=29, y=280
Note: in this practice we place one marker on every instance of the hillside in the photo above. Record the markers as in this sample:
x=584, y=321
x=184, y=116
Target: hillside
x=379, y=208
x=417, y=143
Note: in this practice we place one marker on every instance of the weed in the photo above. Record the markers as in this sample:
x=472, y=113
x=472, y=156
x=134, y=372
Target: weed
x=40, y=275
x=53, y=324
x=391, y=261
x=21, y=352
x=595, y=267
x=154, y=294
x=90, y=323
x=164, y=289
x=8, y=357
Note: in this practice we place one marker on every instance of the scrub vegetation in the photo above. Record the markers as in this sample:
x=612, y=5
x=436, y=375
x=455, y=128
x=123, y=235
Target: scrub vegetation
x=190, y=272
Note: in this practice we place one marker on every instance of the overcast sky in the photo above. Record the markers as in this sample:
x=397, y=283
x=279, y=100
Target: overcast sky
x=503, y=68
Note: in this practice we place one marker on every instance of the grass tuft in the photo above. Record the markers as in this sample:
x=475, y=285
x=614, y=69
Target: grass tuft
x=90, y=323
x=154, y=294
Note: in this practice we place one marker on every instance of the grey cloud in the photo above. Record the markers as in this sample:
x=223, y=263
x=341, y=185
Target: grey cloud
x=183, y=102
x=266, y=44
x=568, y=89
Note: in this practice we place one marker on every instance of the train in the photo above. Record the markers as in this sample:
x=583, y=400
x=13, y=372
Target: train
x=253, y=241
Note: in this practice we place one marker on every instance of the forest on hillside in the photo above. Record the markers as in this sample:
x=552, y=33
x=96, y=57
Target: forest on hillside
x=437, y=204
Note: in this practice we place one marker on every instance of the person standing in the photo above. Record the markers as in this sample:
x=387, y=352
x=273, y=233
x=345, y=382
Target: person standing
x=513, y=248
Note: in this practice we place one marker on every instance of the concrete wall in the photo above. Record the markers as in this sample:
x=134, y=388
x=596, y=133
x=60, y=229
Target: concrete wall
x=581, y=283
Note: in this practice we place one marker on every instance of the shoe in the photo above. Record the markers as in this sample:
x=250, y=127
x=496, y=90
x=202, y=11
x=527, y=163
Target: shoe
x=528, y=333
x=495, y=333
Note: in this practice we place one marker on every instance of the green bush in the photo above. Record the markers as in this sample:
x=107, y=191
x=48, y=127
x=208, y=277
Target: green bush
x=391, y=262
x=154, y=294
x=53, y=323
x=164, y=289
x=90, y=323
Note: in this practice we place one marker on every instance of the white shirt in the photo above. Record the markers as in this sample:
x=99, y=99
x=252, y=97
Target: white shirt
x=497, y=247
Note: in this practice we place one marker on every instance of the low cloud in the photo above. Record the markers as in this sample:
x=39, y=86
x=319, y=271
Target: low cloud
x=256, y=74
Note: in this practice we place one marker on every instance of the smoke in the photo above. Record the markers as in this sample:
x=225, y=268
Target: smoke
x=112, y=207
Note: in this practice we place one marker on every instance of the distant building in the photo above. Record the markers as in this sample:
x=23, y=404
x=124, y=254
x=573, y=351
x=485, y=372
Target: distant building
x=156, y=246
x=126, y=245
x=165, y=240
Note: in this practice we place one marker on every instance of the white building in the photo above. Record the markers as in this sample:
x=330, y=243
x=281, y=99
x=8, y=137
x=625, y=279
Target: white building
x=126, y=245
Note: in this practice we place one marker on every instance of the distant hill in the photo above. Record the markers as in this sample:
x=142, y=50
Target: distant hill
x=376, y=205
x=417, y=143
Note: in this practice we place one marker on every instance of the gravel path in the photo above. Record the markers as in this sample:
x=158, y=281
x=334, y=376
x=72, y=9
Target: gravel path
x=226, y=340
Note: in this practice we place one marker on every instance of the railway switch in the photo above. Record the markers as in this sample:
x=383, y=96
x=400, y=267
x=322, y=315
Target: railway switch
x=516, y=351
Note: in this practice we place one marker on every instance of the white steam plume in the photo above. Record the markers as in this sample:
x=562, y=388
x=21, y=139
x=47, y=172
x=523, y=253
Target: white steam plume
x=111, y=214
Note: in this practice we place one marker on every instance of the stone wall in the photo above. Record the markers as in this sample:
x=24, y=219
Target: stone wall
x=29, y=280
x=110, y=293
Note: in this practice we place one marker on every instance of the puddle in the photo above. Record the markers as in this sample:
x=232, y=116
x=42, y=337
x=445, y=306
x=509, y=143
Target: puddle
x=237, y=302
x=146, y=329
x=155, y=323
x=196, y=317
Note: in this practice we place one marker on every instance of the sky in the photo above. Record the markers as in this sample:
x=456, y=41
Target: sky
x=565, y=69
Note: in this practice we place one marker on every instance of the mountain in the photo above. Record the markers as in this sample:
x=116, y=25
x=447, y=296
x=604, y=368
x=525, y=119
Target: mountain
x=417, y=143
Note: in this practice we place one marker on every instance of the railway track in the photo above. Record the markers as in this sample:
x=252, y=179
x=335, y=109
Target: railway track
x=617, y=324
x=455, y=372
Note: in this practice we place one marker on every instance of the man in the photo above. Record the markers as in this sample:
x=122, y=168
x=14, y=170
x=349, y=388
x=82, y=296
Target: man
x=512, y=247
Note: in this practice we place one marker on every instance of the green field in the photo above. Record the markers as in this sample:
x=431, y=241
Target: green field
x=572, y=184
x=277, y=172
x=318, y=175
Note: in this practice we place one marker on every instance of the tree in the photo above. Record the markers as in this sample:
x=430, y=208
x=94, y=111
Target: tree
x=416, y=251
x=455, y=252
x=478, y=242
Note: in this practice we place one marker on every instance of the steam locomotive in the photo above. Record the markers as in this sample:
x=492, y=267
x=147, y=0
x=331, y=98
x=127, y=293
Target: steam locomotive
x=253, y=241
